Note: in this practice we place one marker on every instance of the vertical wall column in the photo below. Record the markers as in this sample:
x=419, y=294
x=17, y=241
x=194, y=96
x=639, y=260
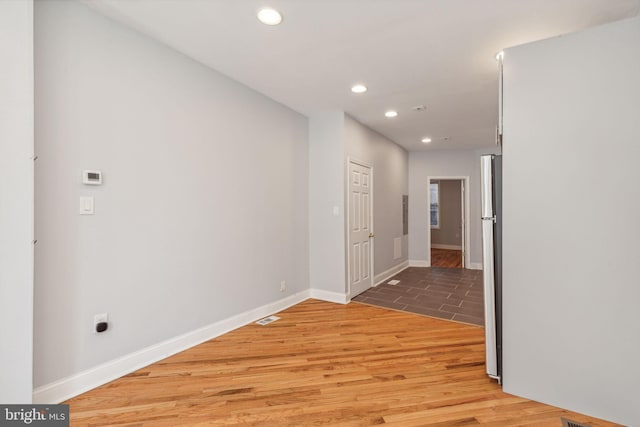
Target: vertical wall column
x=326, y=205
x=16, y=201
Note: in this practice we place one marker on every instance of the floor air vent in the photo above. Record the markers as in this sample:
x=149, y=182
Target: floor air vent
x=267, y=320
x=393, y=282
x=569, y=423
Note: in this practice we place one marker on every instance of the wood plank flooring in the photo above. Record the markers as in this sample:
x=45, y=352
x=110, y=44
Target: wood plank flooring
x=447, y=258
x=321, y=364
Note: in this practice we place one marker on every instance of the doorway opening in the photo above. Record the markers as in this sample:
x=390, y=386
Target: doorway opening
x=447, y=235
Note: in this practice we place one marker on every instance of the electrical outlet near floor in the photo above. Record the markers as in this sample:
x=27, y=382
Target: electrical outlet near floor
x=283, y=286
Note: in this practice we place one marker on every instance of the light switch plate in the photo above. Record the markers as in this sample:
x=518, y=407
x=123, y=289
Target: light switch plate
x=86, y=205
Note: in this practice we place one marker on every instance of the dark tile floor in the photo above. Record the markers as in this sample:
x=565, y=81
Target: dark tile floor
x=445, y=293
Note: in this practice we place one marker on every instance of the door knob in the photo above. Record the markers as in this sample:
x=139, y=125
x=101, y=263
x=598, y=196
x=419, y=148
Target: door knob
x=372, y=235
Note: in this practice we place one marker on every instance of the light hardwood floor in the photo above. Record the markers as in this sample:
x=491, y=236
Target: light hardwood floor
x=321, y=364
x=447, y=258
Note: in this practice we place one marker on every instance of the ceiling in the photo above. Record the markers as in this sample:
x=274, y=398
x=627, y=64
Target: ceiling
x=437, y=53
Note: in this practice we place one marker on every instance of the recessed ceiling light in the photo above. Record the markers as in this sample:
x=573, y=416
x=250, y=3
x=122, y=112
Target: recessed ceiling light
x=269, y=16
x=391, y=113
x=426, y=140
x=358, y=88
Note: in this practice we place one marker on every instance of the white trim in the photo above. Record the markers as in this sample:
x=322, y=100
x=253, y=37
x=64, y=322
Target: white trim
x=418, y=263
x=467, y=214
x=450, y=247
x=387, y=274
x=81, y=382
x=329, y=296
x=347, y=223
x=475, y=266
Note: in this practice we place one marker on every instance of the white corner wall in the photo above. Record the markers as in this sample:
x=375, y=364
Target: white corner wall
x=203, y=209
x=16, y=201
x=390, y=182
x=326, y=204
x=425, y=164
x=571, y=229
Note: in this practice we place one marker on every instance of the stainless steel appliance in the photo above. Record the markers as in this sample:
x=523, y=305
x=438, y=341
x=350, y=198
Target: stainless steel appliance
x=491, y=182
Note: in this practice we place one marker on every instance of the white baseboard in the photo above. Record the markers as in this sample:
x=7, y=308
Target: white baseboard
x=379, y=278
x=74, y=385
x=418, y=263
x=329, y=296
x=452, y=247
x=475, y=266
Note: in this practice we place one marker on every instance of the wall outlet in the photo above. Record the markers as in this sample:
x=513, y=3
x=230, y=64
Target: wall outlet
x=100, y=319
x=283, y=286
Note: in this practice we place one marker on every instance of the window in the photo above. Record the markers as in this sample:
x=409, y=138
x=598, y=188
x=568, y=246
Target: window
x=434, y=195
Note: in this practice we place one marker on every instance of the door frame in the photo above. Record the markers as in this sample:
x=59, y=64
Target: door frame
x=466, y=233
x=372, y=244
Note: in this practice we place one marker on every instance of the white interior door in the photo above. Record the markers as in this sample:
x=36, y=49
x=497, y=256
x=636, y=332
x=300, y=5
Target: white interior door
x=360, y=229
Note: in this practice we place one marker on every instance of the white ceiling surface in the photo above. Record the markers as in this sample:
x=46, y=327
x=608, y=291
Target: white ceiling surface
x=440, y=53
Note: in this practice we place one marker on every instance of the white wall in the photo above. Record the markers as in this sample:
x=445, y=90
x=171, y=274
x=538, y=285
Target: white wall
x=424, y=164
x=333, y=138
x=571, y=288
x=16, y=200
x=390, y=181
x=326, y=192
x=203, y=210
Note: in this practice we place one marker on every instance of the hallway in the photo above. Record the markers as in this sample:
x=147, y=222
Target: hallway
x=444, y=293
